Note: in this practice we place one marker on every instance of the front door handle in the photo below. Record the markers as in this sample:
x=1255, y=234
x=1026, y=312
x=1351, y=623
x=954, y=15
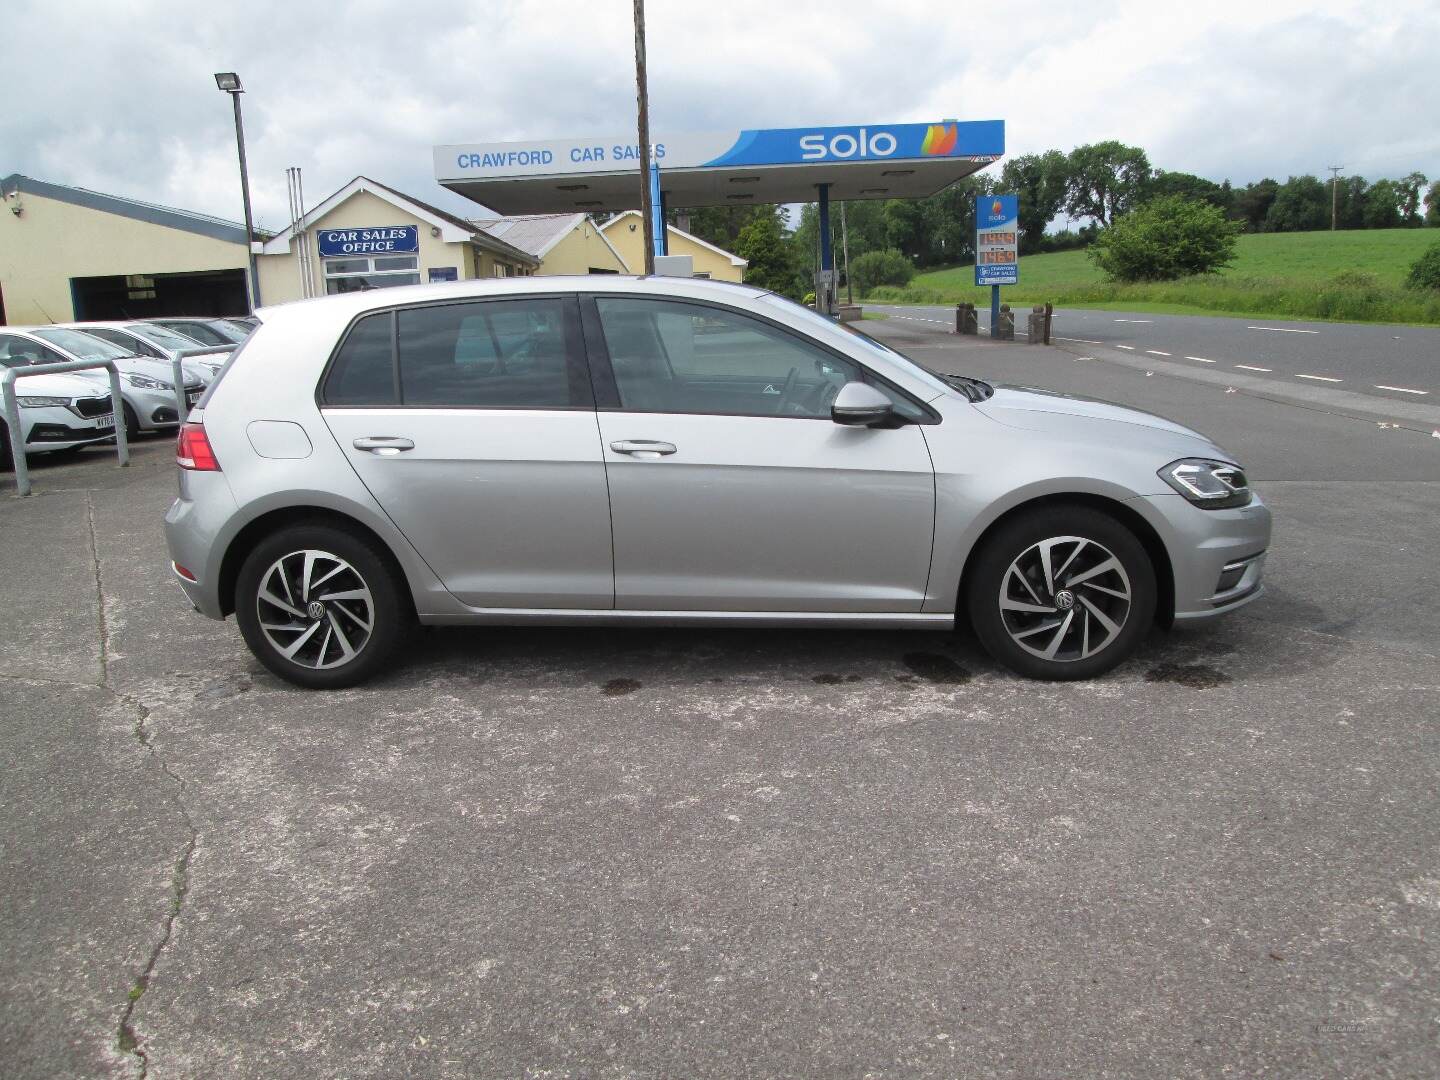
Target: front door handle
x=643, y=448
x=383, y=445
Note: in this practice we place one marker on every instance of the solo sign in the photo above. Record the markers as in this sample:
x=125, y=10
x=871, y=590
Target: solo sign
x=387, y=240
x=997, y=240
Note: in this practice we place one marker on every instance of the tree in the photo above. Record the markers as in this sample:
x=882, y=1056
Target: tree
x=1425, y=271
x=880, y=268
x=1253, y=202
x=1349, y=198
x=721, y=225
x=1382, y=205
x=1432, y=204
x=1302, y=203
x=1167, y=238
x=772, y=264
x=1105, y=179
x=1191, y=186
x=1409, y=193
x=1040, y=181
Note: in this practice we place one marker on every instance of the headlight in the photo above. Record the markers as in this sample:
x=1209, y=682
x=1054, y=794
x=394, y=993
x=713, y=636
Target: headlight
x=41, y=402
x=1213, y=485
x=145, y=382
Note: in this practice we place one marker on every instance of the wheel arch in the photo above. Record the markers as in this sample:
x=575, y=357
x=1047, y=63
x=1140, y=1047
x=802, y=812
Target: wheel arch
x=1126, y=515
x=284, y=517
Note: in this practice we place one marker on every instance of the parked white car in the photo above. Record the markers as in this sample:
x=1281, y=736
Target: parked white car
x=57, y=412
x=146, y=385
x=159, y=343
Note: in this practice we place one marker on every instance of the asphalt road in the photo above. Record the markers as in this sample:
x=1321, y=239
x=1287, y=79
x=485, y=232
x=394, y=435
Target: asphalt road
x=1400, y=363
x=704, y=853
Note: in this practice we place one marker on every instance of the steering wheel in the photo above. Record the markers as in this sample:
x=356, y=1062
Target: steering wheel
x=827, y=398
x=788, y=391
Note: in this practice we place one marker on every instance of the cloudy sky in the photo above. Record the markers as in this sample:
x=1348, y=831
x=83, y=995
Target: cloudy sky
x=119, y=97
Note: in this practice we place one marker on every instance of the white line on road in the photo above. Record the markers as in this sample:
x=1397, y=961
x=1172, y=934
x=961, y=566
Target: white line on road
x=1401, y=389
x=1087, y=341
x=1200, y=358
x=1320, y=378
x=1136, y=320
x=1156, y=352
x=1127, y=348
x=1282, y=330
x=1247, y=367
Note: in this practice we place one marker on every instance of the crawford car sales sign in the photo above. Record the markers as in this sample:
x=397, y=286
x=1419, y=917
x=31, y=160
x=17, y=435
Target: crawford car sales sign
x=387, y=240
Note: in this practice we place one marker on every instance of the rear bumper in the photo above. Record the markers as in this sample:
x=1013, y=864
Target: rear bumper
x=192, y=529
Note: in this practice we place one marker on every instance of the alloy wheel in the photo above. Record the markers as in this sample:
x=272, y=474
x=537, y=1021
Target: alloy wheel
x=1065, y=598
x=315, y=609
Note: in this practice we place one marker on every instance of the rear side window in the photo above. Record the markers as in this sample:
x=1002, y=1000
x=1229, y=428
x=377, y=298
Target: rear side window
x=493, y=354
x=364, y=372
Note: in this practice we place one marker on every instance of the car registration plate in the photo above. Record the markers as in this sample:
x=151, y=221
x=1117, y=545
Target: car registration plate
x=192, y=396
x=108, y=420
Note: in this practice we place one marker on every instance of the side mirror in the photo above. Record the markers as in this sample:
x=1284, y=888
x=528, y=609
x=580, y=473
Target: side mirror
x=861, y=405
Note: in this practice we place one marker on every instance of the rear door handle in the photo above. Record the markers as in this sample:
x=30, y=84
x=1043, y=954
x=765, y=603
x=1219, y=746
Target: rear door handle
x=383, y=445
x=643, y=448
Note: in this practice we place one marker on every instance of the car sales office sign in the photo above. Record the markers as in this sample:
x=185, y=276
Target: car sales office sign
x=387, y=240
x=997, y=239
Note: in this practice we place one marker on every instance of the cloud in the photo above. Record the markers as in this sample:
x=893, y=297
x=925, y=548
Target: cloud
x=120, y=97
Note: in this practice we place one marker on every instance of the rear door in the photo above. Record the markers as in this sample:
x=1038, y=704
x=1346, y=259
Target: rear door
x=730, y=486
x=473, y=425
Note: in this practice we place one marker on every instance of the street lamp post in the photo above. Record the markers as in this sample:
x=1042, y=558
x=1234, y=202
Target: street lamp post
x=229, y=82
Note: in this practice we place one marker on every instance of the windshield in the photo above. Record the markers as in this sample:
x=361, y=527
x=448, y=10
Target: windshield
x=85, y=346
x=228, y=331
x=893, y=355
x=163, y=336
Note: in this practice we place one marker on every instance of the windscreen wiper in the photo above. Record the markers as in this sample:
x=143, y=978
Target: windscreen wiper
x=973, y=389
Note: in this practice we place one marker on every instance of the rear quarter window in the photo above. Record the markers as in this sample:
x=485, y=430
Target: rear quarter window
x=363, y=372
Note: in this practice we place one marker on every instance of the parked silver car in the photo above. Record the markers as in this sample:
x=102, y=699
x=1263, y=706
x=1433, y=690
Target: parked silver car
x=202, y=362
x=662, y=450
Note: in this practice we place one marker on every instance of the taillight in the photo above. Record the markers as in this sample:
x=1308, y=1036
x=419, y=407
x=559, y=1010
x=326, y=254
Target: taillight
x=193, y=450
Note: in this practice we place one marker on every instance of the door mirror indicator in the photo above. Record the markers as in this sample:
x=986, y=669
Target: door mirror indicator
x=861, y=405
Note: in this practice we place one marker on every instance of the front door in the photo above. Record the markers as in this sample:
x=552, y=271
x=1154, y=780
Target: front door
x=473, y=425
x=730, y=486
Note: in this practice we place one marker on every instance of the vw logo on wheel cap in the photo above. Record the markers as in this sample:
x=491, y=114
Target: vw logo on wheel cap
x=315, y=609
x=1064, y=600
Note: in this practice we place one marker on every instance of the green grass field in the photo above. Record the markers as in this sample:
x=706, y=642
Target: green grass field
x=1350, y=276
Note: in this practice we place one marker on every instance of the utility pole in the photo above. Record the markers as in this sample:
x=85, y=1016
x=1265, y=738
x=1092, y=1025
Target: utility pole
x=845, y=253
x=1334, y=193
x=642, y=102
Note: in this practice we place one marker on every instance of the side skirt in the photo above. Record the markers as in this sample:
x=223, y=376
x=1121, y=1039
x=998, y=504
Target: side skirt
x=611, y=617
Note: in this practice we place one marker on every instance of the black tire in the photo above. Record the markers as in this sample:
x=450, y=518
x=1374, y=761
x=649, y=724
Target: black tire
x=319, y=661
x=132, y=422
x=1076, y=536
x=6, y=462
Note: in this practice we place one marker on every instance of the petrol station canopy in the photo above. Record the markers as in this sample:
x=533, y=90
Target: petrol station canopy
x=768, y=165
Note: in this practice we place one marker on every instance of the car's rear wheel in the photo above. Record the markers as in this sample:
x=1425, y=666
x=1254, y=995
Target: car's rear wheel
x=321, y=608
x=1061, y=592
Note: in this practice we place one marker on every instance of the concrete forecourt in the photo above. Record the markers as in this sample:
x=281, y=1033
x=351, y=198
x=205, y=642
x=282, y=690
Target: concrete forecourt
x=708, y=853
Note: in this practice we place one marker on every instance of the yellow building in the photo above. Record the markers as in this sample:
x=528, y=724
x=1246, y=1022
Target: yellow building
x=564, y=243
x=625, y=233
x=68, y=253
x=368, y=236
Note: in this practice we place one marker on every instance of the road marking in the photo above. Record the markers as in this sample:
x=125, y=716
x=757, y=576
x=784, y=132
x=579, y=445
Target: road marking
x=1200, y=358
x=1128, y=348
x=1282, y=330
x=1136, y=320
x=1087, y=341
x=1401, y=389
x=1247, y=367
x=1156, y=352
x=1320, y=378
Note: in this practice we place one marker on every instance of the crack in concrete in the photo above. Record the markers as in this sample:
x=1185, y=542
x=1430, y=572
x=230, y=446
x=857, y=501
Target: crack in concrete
x=126, y=1036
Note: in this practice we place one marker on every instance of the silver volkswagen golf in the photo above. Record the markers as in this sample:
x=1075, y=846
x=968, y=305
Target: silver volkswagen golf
x=669, y=451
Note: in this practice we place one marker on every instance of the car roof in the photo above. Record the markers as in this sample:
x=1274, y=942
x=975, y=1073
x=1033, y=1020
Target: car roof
x=377, y=299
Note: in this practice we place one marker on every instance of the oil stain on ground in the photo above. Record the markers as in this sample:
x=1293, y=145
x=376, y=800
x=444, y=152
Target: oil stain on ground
x=616, y=687
x=1195, y=676
x=829, y=678
x=932, y=667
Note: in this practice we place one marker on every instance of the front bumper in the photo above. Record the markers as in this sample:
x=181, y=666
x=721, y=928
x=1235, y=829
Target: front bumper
x=1217, y=557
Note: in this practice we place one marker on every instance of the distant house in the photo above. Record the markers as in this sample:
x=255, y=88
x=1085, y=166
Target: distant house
x=563, y=243
x=625, y=233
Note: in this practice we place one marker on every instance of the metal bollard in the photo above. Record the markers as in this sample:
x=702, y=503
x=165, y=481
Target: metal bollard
x=11, y=406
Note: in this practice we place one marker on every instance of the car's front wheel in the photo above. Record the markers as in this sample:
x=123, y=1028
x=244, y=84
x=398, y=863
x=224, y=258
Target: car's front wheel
x=319, y=607
x=1061, y=592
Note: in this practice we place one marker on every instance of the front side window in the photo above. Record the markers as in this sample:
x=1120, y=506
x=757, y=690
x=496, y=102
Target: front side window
x=22, y=352
x=669, y=356
x=126, y=342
